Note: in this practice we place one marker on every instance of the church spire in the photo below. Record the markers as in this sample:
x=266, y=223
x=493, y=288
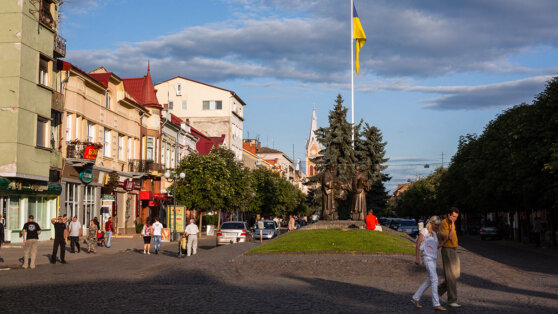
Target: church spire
x=313, y=128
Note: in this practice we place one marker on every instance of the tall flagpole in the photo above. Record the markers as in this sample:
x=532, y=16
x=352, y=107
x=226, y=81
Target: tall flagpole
x=352, y=78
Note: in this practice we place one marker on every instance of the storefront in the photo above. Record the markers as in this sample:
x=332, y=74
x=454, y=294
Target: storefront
x=21, y=198
x=81, y=194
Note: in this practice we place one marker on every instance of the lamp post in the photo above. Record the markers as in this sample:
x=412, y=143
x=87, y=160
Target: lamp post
x=168, y=175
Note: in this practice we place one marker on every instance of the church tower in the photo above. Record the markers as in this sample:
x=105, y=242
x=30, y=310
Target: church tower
x=312, y=146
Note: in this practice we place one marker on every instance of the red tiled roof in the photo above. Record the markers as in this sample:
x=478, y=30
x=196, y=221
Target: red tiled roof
x=102, y=77
x=205, y=143
x=142, y=89
x=176, y=120
x=267, y=150
x=67, y=66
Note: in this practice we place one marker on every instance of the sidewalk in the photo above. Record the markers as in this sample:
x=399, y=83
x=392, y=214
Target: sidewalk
x=11, y=255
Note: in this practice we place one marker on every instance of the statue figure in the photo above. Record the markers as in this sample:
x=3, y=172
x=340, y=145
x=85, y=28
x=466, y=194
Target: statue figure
x=359, y=185
x=329, y=187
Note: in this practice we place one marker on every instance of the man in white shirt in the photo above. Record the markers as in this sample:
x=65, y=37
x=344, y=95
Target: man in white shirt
x=192, y=234
x=75, y=229
x=157, y=227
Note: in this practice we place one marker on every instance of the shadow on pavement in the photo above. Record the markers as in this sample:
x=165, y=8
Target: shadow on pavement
x=480, y=282
x=524, y=259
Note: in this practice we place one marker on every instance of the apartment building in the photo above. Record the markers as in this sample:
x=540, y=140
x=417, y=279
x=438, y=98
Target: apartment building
x=102, y=126
x=213, y=110
x=30, y=114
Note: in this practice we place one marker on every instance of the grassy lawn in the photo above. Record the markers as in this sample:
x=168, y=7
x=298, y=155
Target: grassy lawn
x=337, y=240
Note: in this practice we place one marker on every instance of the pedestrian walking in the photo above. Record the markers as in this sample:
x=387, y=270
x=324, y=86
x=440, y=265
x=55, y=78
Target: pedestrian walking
x=192, y=234
x=92, y=237
x=146, y=232
x=427, y=244
x=452, y=267
x=157, y=228
x=109, y=228
x=75, y=231
x=60, y=239
x=291, y=224
x=30, y=233
x=371, y=220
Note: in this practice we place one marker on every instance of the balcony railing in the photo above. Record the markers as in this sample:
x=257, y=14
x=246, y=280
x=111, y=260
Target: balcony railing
x=137, y=165
x=59, y=47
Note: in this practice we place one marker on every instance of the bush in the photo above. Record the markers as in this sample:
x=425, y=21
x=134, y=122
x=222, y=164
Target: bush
x=139, y=227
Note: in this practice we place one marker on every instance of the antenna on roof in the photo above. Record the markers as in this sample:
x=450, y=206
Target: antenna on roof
x=148, y=67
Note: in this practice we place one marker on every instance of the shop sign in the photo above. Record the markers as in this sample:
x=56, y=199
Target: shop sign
x=86, y=175
x=127, y=184
x=108, y=197
x=90, y=152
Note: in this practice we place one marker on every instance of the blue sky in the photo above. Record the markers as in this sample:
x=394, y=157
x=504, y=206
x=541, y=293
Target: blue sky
x=430, y=70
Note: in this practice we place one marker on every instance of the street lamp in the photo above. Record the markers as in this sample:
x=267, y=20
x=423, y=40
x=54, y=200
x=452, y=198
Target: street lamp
x=168, y=175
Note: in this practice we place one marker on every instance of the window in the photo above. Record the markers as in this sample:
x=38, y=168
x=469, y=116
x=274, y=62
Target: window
x=78, y=127
x=178, y=90
x=55, y=129
x=71, y=201
x=88, y=211
x=68, y=127
x=90, y=132
x=36, y=206
x=10, y=212
x=163, y=145
x=172, y=154
x=149, y=147
x=184, y=105
x=171, y=105
x=212, y=105
x=44, y=65
x=156, y=151
x=106, y=148
x=120, y=147
x=45, y=14
x=42, y=132
x=107, y=100
x=129, y=150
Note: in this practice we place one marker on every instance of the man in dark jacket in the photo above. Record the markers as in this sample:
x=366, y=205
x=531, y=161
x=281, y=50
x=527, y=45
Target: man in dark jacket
x=60, y=239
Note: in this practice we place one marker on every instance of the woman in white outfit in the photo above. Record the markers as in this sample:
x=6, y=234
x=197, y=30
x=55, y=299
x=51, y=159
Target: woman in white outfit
x=427, y=243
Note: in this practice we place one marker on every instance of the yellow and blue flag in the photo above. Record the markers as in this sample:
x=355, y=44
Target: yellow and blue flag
x=358, y=34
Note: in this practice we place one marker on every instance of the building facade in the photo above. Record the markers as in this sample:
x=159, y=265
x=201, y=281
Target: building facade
x=31, y=108
x=102, y=126
x=213, y=110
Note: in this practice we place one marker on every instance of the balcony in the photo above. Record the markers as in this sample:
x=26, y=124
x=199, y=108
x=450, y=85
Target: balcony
x=58, y=101
x=59, y=47
x=137, y=165
x=82, y=153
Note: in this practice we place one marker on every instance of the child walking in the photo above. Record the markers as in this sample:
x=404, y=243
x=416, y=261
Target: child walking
x=427, y=243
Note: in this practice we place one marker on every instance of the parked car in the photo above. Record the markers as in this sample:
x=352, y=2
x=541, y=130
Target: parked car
x=270, y=230
x=394, y=223
x=489, y=230
x=409, y=226
x=383, y=220
x=234, y=232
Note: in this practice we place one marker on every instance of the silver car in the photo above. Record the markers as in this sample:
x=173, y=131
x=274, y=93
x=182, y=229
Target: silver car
x=233, y=232
x=269, y=231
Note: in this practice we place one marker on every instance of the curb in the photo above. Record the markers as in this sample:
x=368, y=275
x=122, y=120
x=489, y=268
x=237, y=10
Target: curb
x=351, y=253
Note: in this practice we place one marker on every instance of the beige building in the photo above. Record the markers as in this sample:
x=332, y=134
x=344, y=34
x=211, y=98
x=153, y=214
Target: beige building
x=213, y=110
x=102, y=127
x=30, y=113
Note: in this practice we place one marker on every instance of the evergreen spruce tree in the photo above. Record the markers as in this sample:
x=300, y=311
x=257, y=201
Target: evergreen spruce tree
x=370, y=153
x=338, y=150
x=337, y=142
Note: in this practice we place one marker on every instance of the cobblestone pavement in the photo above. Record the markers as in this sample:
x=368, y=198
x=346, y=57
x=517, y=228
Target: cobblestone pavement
x=224, y=280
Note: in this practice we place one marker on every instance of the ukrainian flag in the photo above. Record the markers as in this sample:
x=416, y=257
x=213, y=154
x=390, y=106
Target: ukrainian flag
x=358, y=34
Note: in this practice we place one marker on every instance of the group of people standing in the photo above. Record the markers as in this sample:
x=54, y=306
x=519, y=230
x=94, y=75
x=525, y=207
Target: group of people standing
x=64, y=229
x=439, y=233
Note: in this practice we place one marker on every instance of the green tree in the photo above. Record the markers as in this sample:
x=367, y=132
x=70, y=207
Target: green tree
x=370, y=153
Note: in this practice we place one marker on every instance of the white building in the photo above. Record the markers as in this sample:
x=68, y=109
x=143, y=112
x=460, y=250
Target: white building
x=213, y=110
